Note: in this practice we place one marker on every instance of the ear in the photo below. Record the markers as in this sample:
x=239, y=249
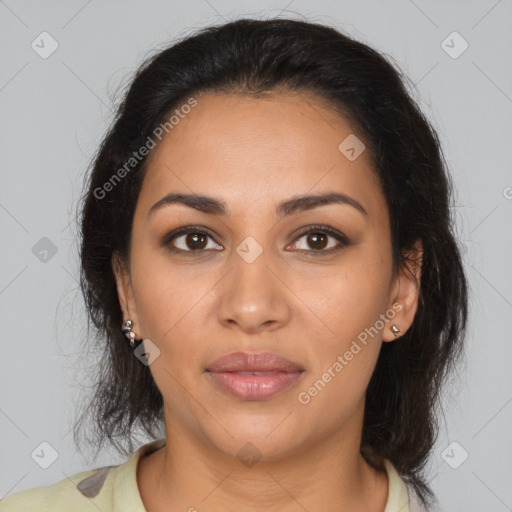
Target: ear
x=124, y=290
x=405, y=293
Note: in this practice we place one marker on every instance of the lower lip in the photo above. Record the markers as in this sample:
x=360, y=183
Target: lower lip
x=254, y=387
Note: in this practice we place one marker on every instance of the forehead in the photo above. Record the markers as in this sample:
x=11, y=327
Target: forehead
x=251, y=149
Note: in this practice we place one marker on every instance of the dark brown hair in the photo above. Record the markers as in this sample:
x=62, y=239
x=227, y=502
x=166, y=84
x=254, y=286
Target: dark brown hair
x=254, y=57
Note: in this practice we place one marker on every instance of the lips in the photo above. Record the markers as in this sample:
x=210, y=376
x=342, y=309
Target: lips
x=253, y=362
x=254, y=376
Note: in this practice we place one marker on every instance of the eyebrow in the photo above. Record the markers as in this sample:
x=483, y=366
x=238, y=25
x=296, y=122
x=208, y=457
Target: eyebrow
x=213, y=206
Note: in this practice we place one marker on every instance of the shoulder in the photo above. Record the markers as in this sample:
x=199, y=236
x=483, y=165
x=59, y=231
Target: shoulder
x=77, y=493
x=107, y=489
x=402, y=497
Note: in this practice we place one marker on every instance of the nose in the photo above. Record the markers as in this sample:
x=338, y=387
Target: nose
x=252, y=297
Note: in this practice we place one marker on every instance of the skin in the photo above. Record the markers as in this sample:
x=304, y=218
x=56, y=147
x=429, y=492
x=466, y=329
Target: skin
x=293, y=299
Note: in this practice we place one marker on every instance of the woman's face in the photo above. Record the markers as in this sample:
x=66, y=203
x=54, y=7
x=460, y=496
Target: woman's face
x=243, y=274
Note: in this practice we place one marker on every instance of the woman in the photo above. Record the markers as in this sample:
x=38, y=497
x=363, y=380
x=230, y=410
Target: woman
x=268, y=253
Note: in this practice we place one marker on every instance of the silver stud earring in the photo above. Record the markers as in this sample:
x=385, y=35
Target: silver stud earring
x=395, y=330
x=127, y=330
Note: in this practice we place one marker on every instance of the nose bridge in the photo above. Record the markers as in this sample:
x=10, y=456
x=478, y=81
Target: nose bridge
x=252, y=297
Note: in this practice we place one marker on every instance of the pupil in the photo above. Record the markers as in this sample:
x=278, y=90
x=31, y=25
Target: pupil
x=314, y=237
x=194, y=239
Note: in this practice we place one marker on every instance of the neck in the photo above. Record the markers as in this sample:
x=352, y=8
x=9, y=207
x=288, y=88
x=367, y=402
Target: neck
x=191, y=473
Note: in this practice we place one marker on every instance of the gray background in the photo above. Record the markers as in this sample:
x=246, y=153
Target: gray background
x=54, y=113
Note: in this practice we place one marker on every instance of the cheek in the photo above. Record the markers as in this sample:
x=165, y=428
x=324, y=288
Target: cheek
x=171, y=305
x=349, y=297
x=160, y=292
x=347, y=333
x=344, y=355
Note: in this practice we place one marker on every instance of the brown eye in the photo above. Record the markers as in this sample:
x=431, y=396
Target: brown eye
x=321, y=240
x=317, y=240
x=196, y=241
x=190, y=240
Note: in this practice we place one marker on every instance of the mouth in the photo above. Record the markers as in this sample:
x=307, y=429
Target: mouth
x=253, y=362
x=254, y=376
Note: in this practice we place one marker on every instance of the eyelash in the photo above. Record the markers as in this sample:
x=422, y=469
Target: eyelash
x=313, y=229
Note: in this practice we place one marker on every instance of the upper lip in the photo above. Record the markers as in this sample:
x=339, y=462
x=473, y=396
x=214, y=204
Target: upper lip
x=253, y=361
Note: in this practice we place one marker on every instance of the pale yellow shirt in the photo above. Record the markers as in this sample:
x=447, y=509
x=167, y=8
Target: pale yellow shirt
x=115, y=489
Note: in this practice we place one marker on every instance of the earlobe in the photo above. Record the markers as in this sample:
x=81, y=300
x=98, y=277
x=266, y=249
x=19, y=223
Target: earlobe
x=125, y=294
x=123, y=285
x=406, y=290
x=396, y=330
